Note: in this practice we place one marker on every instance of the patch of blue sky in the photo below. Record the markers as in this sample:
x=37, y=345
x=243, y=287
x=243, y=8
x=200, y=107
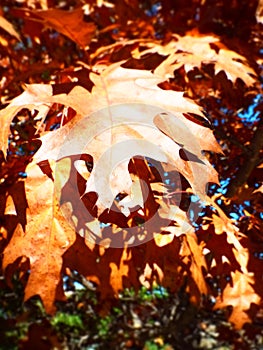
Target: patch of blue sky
x=22, y=174
x=167, y=181
x=194, y=198
x=216, y=122
x=250, y=115
x=259, y=255
x=219, y=201
x=20, y=151
x=153, y=11
x=223, y=185
x=226, y=111
x=239, y=211
x=196, y=209
x=158, y=291
x=19, y=46
x=234, y=216
x=78, y=286
x=103, y=224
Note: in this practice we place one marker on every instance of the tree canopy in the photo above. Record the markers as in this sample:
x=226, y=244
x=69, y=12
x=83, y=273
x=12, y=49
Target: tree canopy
x=131, y=163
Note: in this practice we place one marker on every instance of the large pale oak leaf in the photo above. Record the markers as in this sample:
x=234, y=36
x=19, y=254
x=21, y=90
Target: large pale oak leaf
x=124, y=105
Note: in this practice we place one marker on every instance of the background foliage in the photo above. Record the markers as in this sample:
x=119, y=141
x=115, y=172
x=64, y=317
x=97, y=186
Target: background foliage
x=209, y=51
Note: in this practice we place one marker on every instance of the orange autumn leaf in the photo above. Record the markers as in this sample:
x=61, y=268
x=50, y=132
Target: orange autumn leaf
x=69, y=23
x=47, y=236
x=240, y=294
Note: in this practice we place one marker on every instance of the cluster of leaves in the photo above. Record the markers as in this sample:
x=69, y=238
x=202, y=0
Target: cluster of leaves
x=84, y=63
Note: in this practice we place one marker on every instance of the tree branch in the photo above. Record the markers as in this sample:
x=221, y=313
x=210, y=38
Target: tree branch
x=251, y=161
x=220, y=134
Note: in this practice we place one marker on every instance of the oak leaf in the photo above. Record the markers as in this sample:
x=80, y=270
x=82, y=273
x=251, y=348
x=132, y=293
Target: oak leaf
x=149, y=116
x=106, y=117
x=232, y=258
x=197, y=285
x=8, y=27
x=240, y=295
x=32, y=99
x=192, y=50
x=69, y=23
x=43, y=240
